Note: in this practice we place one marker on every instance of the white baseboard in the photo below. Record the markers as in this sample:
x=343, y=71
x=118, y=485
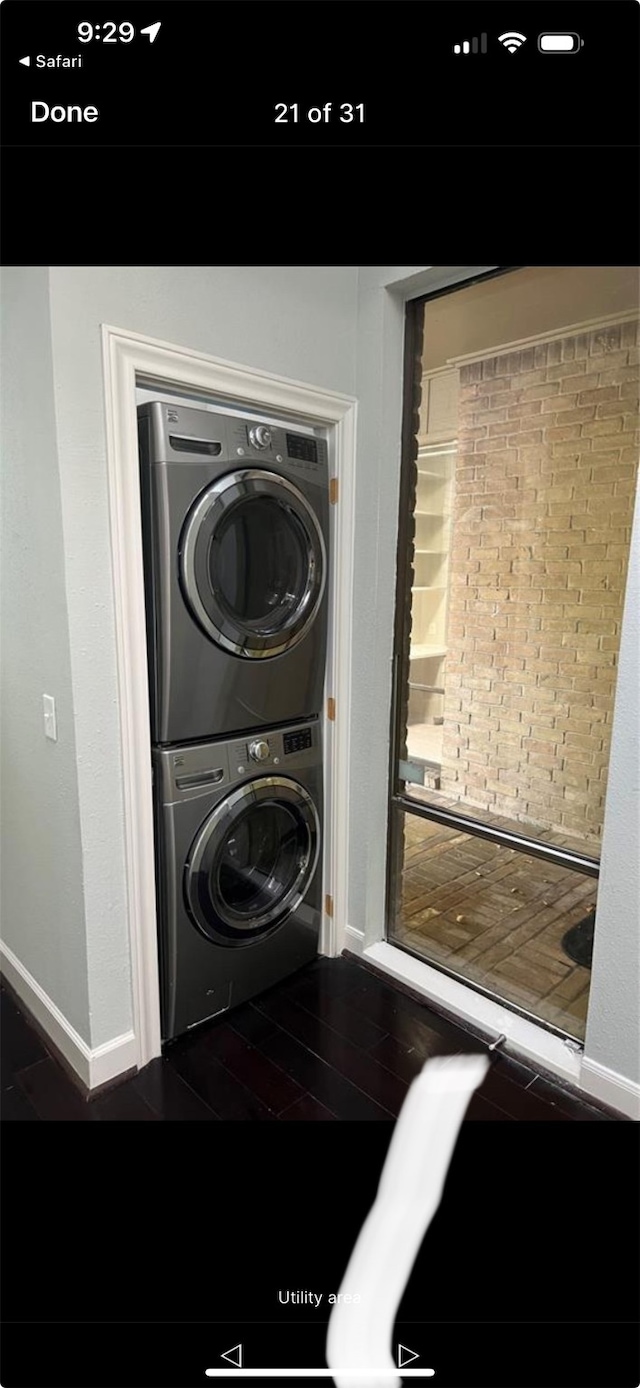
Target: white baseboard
x=354, y=939
x=93, y=1067
x=612, y=1088
x=529, y=1042
x=113, y=1058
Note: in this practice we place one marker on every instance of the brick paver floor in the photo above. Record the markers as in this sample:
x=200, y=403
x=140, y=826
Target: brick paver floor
x=496, y=916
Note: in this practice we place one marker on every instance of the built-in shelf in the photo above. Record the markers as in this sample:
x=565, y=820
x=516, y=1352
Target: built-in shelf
x=432, y=515
x=424, y=745
x=436, y=463
x=426, y=652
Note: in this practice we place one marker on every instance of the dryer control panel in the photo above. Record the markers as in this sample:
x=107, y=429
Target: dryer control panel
x=183, y=434
x=302, y=447
x=251, y=441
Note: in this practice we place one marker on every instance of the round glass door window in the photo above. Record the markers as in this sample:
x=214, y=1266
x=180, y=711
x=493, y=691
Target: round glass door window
x=253, y=563
x=252, y=860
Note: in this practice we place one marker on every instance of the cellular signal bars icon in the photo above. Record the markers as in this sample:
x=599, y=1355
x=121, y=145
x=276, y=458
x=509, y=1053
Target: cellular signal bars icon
x=472, y=45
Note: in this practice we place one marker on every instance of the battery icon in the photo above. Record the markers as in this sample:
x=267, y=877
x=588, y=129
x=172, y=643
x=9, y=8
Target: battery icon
x=560, y=43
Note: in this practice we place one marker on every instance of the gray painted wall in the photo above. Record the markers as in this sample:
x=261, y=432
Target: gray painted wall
x=42, y=891
x=297, y=321
x=613, y=1027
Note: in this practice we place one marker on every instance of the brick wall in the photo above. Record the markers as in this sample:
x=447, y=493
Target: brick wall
x=545, y=481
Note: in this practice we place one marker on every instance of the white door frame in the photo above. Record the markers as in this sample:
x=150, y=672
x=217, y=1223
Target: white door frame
x=126, y=357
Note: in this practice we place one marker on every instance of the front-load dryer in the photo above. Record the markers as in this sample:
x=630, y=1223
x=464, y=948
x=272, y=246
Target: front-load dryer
x=235, y=538
x=238, y=828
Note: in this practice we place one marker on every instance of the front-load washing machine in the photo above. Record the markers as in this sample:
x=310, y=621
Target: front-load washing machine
x=235, y=537
x=238, y=828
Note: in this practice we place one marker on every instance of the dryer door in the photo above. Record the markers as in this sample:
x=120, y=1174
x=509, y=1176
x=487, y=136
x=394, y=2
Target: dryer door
x=252, y=861
x=253, y=563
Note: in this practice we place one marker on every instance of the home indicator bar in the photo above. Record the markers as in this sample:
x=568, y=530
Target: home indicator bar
x=235, y=1356
x=380, y=1374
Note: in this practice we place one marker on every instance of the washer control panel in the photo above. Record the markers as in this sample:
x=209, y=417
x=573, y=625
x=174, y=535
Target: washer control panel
x=296, y=742
x=259, y=750
x=257, y=753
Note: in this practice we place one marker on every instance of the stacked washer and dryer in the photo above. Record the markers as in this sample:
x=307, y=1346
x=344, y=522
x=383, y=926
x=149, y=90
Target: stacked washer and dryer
x=235, y=541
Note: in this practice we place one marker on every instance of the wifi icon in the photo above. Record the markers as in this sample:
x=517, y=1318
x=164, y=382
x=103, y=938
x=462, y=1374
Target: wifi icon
x=512, y=41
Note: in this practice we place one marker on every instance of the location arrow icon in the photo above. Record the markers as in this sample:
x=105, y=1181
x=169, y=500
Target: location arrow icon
x=237, y=1351
x=26, y=62
x=152, y=31
x=405, y=1356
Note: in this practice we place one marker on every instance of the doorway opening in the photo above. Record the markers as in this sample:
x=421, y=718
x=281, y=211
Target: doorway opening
x=520, y=454
x=132, y=362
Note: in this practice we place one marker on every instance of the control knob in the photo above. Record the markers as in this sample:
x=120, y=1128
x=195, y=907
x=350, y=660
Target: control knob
x=260, y=436
x=259, y=751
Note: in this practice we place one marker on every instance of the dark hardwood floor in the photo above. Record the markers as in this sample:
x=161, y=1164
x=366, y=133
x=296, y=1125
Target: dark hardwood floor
x=333, y=1042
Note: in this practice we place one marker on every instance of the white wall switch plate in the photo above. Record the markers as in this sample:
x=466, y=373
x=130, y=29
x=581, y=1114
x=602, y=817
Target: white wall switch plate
x=50, y=725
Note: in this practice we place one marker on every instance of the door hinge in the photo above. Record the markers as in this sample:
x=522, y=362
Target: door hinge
x=333, y=490
x=331, y=710
x=328, y=906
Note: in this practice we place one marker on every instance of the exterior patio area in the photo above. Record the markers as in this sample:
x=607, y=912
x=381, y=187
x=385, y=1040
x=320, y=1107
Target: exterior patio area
x=496, y=917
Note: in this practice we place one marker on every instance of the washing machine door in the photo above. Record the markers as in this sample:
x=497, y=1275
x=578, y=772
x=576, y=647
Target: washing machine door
x=252, y=861
x=253, y=563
